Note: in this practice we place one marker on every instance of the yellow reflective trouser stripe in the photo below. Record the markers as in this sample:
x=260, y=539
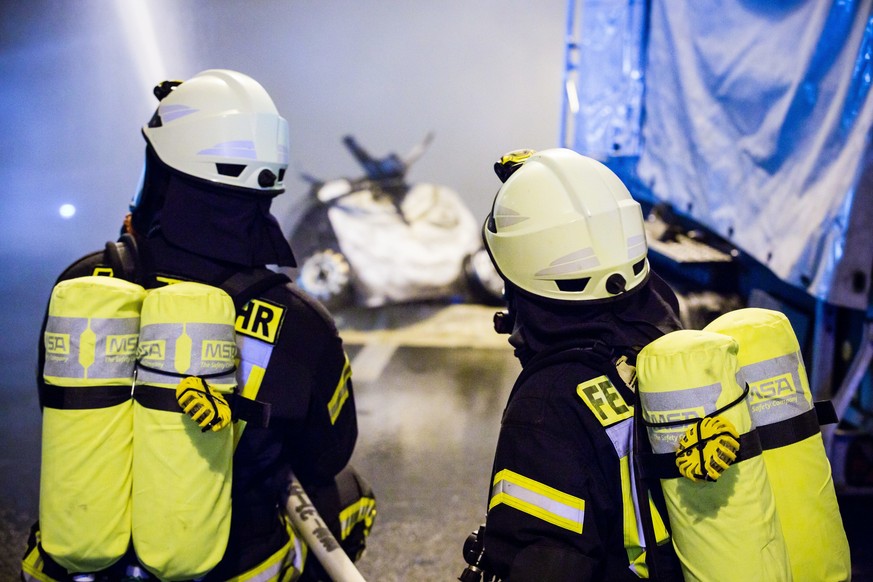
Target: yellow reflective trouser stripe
x=285, y=565
x=31, y=567
x=361, y=510
x=341, y=394
x=538, y=500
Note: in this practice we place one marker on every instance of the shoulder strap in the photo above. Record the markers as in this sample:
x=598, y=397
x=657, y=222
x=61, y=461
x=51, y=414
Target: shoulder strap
x=244, y=286
x=589, y=352
x=122, y=257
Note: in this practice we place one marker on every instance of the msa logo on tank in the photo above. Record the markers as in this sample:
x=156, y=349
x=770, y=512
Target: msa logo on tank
x=676, y=415
x=93, y=346
x=775, y=388
x=261, y=320
x=57, y=344
x=218, y=351
x=121, y=346
x=117, y=347
x=152, y=350
x=773, y=380
x=177, y=341
x=778, y=387
x=604, y=401
x=687, y=404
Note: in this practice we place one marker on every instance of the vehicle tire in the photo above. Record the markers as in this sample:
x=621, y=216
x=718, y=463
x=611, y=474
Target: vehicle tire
x=325, y=274
x=484, y=283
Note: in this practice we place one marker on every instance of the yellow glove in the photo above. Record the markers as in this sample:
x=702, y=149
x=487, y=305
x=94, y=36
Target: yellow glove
x=707, y=449
x=206, y=406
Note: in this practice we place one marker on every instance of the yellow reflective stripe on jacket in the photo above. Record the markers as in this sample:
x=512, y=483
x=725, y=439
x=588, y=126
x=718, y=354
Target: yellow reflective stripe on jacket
x=250, y=390
x=341, y=393
x=285, y=565
x=634, y=538
x=362, y=510
x=539, y=500
x=254, y=357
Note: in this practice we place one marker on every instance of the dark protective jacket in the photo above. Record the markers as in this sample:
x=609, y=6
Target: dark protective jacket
x=306, y=367
x=561, y=481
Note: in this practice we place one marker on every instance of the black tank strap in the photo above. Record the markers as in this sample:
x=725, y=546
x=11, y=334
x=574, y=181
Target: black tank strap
x=663, y=465
x=825, y=412
x=156, y=398
x=762, y=438
x=798, y=428
x=83, y=397
x=254, y=412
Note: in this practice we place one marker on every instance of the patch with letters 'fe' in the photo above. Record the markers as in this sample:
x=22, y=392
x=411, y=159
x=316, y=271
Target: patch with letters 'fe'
x=604, y=401
x=260, y=319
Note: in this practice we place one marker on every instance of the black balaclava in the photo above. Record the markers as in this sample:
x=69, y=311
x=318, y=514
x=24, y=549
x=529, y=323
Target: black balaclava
x=624, y=324
x=211, y=220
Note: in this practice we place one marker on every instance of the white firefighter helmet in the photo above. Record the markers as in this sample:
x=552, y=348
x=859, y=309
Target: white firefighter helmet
x=223, y=127
x=564, y=226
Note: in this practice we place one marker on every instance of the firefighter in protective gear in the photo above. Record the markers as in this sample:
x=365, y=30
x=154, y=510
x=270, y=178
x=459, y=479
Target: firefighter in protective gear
x=216, y=155
x=566, y=501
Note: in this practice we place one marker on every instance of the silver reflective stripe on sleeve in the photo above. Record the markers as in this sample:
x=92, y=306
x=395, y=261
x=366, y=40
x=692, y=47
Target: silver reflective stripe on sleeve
x=537, y=500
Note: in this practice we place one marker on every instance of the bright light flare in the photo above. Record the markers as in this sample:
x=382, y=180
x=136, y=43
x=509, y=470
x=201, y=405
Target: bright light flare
x=138, y=28
x=67, y=211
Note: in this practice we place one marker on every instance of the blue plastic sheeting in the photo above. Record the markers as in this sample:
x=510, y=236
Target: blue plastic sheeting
x=752, y=117
x=605, y=82
x=757, y=125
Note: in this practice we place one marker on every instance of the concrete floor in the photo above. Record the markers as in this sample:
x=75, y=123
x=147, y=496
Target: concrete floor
x=430, y=385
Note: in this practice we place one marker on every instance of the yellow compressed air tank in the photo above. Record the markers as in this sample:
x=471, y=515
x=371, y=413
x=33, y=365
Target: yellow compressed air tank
x=727, y=529
x=90, y=346
x=781, y=407
x=182, y=474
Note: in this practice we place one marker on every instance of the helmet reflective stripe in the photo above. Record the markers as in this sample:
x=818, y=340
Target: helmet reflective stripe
x=231, y=149
x=575, y=261
x=564, y=226
x=171, y=112
x=636, y=246
x=218, y=119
